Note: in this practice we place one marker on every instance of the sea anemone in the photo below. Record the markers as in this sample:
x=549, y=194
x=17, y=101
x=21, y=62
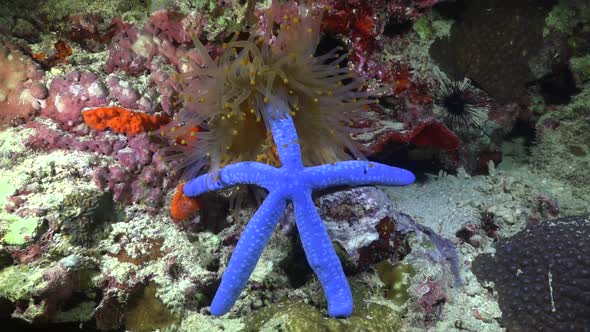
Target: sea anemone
x=222, y=121
x=462, y=106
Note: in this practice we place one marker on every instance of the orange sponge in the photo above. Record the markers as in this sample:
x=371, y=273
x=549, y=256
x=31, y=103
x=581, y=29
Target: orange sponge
x=122, y=120
x=183, y=207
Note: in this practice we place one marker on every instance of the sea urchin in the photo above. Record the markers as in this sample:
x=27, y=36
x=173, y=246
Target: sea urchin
x=464, y=107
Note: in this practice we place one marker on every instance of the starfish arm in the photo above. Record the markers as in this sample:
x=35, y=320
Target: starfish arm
x=247, y=252
x=356, y=173
x=284, y=133
x=321, y=256
x=231, y=175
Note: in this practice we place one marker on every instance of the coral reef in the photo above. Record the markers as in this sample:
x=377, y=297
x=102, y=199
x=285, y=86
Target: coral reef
x=71, y=93
x=137, y=174
x=104, y=103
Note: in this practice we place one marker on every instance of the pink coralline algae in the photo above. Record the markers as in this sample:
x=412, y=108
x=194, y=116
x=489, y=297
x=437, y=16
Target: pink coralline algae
x=155, y=49
x=167, y=87
x=70, y=94
x=431, y=296
x=136, y=176
x=126, y=95
x=121, y=52
x=47, y=138
x=133, y=49
x=21, y=87
x=139, y=174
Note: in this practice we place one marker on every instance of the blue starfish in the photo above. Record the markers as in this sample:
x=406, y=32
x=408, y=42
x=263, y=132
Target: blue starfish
x=291, y=182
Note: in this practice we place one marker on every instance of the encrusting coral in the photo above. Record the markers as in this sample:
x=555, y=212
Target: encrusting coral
x=542, y=276
x=183, y=207
x=121, y=120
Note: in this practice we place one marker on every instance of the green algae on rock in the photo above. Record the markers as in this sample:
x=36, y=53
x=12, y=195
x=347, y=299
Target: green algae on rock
x=146, y=312
x=20, y=230
x=19, y=284
x=397, y=279
x=30, y=280
x=302, y=317
x=14, y=230
x=558, y=134
x=580, y=67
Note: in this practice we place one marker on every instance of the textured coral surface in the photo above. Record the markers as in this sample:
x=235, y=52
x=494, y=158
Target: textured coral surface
x=492, y=44
x=542, y=276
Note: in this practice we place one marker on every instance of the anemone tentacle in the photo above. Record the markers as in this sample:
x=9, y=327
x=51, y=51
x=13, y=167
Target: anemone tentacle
x=227, y=95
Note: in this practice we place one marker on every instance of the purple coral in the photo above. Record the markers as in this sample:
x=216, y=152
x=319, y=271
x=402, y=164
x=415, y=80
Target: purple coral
x=136, y=177
x=70, y=94
x=133, y=49
x=156, y=49
x=126, y=95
